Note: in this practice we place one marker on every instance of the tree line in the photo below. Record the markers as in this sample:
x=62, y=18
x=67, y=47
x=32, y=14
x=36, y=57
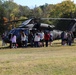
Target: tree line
x=10, y=11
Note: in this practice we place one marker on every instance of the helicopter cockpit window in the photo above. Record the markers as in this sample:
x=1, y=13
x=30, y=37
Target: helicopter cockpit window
x=26, y=22
x=12, y=31
x=17, y=32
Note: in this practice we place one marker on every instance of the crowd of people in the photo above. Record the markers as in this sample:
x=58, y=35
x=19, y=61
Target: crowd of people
x=39, y=39
x=67, y=38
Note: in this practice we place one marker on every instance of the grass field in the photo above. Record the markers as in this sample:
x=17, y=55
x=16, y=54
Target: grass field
x=53, y=60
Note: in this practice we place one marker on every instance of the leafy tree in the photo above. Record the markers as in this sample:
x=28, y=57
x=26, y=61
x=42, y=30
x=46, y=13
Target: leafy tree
x=2, y=13
x=24, y=11
x=66, y=9
x=37, y=12
x=12, y=9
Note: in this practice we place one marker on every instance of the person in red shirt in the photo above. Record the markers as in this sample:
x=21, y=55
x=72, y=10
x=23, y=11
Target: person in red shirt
x=47, y=38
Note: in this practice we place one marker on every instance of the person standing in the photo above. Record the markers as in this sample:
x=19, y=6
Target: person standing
x=13, y=40
x=3, y=37
x=31, y=36
x=69, y=38
x=47, y=38
x=64, y=37
x=36, y=40
x=23, y=38
x=10, y=36
x=41, y=34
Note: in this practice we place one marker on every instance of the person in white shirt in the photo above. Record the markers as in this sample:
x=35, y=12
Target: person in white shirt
x=23, y=38
x=13, y=40
x=42, y=38
x=36, y=40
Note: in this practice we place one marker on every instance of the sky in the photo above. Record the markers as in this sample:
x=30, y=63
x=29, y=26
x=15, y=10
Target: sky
x=33, y=3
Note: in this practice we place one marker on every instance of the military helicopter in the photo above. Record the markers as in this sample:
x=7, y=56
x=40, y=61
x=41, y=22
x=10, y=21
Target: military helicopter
x=30, y=25
x=34, y=24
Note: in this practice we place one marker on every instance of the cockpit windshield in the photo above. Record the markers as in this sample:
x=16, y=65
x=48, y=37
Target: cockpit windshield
x=12, y=31
x=26, y=22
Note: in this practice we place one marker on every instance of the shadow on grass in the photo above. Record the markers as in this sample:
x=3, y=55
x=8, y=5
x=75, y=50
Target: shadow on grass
x=53, y=45
x=60, y=45
x=7, y=47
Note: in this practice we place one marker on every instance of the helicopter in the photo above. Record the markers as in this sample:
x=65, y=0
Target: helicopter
x=30, y=25
x=34, y=24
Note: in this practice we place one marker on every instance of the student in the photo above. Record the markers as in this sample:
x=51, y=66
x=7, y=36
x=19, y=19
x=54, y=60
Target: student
x=41, y=38
x=31, y=36
x=64, y=37
x=13, y=40
x=69, y=38
x=47, y=38
x=10, y=36
x=3, y=42
x=36, y=40
x=23, y=38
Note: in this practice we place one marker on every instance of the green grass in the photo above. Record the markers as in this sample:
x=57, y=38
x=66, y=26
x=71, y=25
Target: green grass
x=53, y=60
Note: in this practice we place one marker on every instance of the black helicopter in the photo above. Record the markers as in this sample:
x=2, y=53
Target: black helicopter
x=30, y=25
x=34, y=24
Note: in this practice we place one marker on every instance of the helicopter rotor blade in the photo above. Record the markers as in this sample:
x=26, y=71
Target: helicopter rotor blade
x=15, y=21
x=58, y=19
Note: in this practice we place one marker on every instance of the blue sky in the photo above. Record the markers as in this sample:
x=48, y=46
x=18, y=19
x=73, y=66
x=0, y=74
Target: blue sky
x=32, y=3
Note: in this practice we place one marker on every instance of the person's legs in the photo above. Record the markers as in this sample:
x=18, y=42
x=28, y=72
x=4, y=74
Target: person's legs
x=10, y=44
x=46, y=42
x=25, y=43
x=31, y=43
